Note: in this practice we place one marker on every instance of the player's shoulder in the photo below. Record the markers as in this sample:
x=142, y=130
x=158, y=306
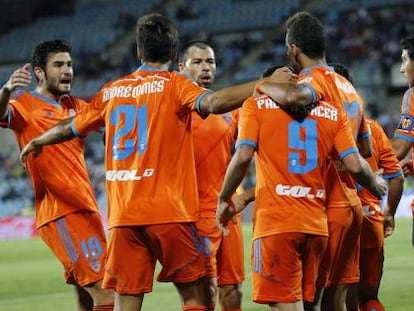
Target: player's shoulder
x=17, y=94
x=72, y=102
x=409, y=94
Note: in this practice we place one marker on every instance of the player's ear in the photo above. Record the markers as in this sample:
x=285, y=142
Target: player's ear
x=39, y=73
x=139, y=54
x=294, y=49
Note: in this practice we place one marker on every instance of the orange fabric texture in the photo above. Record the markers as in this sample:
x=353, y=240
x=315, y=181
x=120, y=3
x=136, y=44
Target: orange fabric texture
x=78, y=241
x=332, y=87
x=214, y=138
x=225, y=253
x=150, y=172
x=291, y=163
x=287, y=278
x=59, y=175
x=178, y=248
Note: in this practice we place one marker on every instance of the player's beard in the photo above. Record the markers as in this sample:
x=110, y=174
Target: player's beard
x=55, y=87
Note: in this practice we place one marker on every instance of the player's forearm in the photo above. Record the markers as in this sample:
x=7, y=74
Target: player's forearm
x=366, y=177
x=249, y=195
x=59, y=133
x=234, y=176
x=4, y=101
x=395, y=189
x=287, y=94
x=227, y=99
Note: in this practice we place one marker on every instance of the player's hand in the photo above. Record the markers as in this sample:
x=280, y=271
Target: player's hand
x=239, y=203
x=283, y=75
x=389, y=225
x=30, y=147
x=407, y=167
x=19, y=78
x=225, y=212
x=381, y=186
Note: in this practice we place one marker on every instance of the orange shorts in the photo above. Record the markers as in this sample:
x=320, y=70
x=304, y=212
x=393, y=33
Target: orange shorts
x=78, y=241
x=225, y=253
x=370, y=265
x=372, y=231
x=285, y=266
x=340, y=264
x=134, y=250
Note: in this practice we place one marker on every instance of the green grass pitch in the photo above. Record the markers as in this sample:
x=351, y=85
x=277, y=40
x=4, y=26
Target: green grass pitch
x=32, y=279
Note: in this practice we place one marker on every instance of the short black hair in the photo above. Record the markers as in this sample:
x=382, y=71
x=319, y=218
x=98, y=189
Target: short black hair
x=197, y=43
x=307, y=32
x=407, y=43
x=343, y=71
x=157, y=38
x=270, y=70
x=44, y=49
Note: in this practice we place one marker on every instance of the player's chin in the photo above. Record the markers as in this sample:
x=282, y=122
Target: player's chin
x=65, y=88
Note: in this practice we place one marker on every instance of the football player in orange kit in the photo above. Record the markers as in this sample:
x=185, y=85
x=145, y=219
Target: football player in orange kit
x=306, y=45
x=375, y=226
x=150, y=173
x=290, y=229
x=67, y=215
x=213, y=141
x=404, y=134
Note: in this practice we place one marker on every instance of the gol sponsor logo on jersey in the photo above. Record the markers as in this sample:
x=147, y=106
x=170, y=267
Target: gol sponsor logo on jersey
x=297, y=191
x=126, y=175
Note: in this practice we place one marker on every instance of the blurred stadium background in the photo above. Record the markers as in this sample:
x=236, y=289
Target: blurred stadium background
x=247, y=34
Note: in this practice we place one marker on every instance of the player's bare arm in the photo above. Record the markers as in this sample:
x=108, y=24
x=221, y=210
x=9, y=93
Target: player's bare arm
x=401, y=147
x=407, y=167
x=19, y=78
x=236, y=170
x=241, y=200
x=363, y=174
x=395, y=189
x=61, y=132
x=230, y=98
x=288, y=94
x=365, y=146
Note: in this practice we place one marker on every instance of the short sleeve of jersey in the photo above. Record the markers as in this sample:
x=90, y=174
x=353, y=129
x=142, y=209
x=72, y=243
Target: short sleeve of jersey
x=344, y=141
x=18, y=112
x=387, y=158
x=190, y=94
x=313, y=85
x=90, y=117
x=364, y=130
x=405, y=128
x=248, y=132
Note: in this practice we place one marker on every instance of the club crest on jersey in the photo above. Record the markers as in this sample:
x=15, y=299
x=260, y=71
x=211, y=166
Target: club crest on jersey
x=95, y=265
x=406, y=123
x=227, y=117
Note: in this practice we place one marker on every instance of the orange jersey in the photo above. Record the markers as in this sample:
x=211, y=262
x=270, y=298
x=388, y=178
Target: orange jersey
x=405, y=129
x=291, y=163
x=149, y=160
x=213, y=140
x=383, y=157
x=327, y=85
x=59, y=175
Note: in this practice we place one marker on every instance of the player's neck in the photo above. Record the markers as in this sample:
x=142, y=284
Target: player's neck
x=160, y=66
x=309, y=62
x=46, y=93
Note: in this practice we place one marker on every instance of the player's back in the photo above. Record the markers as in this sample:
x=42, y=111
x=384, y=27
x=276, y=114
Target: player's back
x=149, y=151
x=334, y=88
x=291, y=163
